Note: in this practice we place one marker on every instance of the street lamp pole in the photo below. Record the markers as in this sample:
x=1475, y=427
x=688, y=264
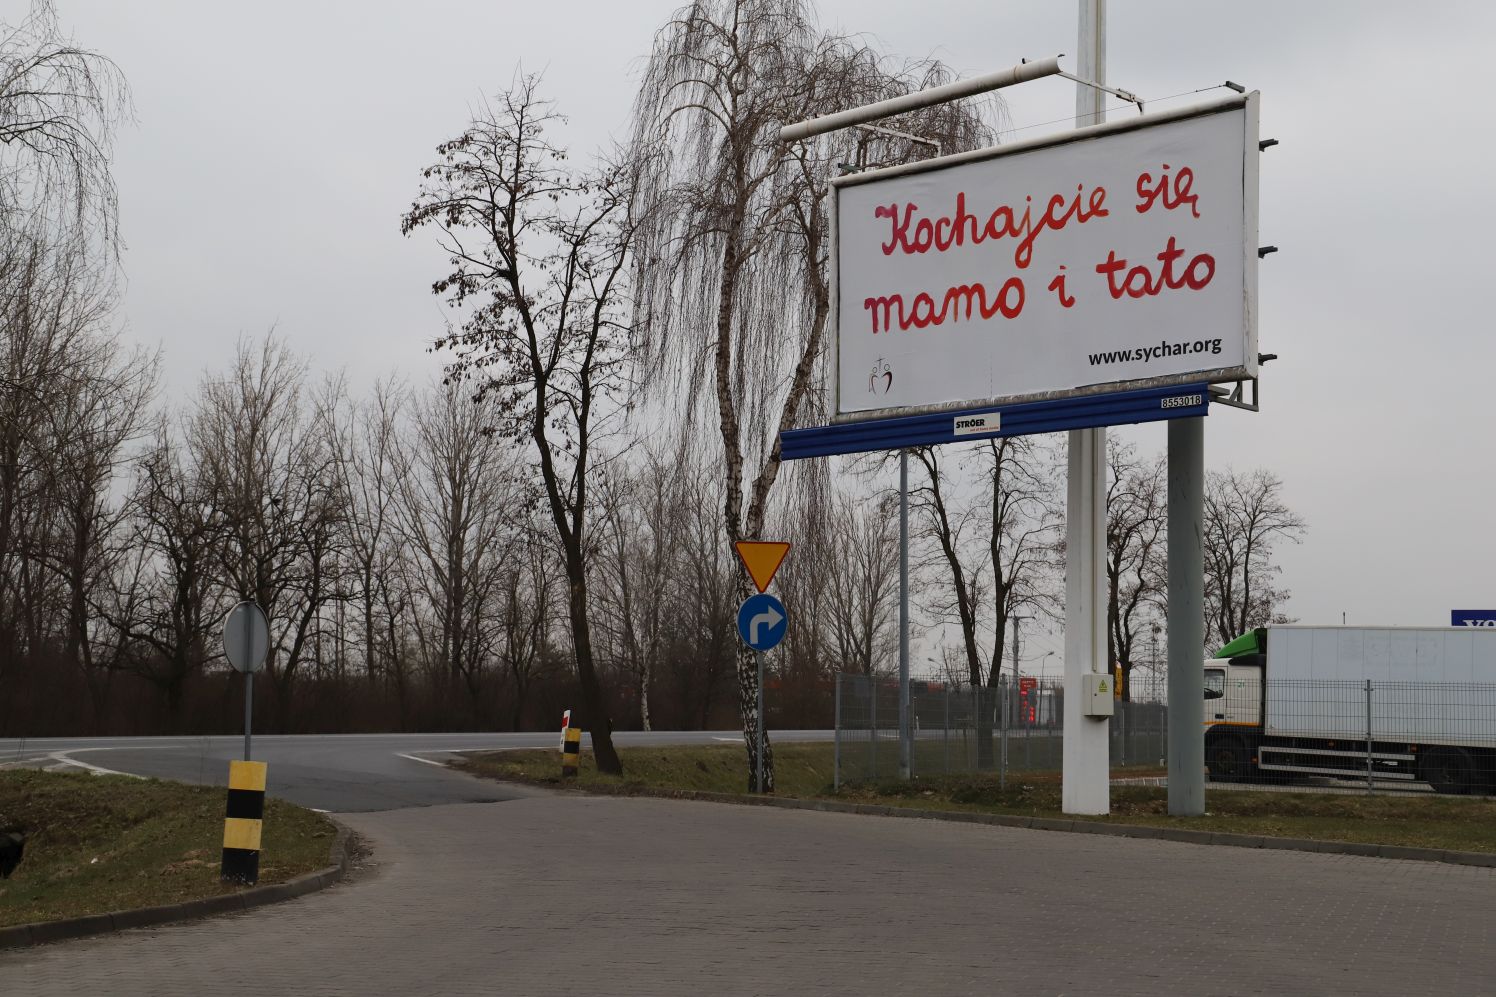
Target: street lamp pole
x=1153, y=658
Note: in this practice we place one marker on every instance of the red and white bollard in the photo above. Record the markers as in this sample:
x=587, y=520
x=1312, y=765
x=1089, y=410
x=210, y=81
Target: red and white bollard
x=571, y=747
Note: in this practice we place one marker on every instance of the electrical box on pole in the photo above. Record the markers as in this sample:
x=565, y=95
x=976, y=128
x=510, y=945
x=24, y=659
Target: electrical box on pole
x=1098, y=694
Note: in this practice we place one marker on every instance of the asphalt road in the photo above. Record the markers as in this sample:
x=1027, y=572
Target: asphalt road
x=340, y=773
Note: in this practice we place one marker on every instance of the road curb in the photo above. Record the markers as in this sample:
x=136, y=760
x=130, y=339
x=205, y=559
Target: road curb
x=1484, y=860
x=41, y=932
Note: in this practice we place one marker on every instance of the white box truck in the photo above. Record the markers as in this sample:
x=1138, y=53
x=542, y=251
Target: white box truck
x=1293, y=700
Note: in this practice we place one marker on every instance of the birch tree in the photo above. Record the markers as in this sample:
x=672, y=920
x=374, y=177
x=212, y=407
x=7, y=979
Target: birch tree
x=59, y=108
x=731, y=263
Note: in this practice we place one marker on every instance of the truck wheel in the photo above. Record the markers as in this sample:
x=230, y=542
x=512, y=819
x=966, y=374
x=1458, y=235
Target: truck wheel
x=1448, y=770
x=1226, y=758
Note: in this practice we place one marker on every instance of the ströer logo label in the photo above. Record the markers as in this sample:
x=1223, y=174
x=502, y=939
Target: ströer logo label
x=971, y=425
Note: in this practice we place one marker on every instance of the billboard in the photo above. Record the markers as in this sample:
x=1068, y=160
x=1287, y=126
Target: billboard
x=1472, y=617
x=1106, y=259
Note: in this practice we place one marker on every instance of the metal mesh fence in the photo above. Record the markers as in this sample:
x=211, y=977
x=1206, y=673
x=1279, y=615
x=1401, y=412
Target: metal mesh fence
x=1388, y=736
x=1013, y=727
x=1335, y=736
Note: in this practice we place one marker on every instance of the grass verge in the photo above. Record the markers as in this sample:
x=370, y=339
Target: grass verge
x=805, y=770
x=105, y=843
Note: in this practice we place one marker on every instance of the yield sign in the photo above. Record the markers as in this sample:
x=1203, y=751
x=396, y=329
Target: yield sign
x=762, y=558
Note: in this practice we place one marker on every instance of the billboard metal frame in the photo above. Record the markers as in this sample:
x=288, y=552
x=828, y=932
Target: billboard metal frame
x=1089, y=411
x=1248, y=371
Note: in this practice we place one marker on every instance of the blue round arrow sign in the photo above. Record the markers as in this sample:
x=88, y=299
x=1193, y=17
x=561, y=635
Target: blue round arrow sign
x=762, y=621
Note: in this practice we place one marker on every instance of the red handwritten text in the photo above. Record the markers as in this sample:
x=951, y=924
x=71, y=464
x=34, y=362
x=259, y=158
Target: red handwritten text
x=919, y=235
x=1141, y=282
x=1161, y=192
x=1058, y=287
x=889, y=309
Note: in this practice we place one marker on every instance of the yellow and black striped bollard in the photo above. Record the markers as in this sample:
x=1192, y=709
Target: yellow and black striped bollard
x=243, y=821
x=571, y=752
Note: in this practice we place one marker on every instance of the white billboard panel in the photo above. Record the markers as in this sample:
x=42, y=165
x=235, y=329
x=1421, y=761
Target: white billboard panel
x=1112, y=257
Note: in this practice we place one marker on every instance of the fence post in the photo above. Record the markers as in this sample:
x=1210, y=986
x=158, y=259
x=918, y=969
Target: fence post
x=1122, y=730
x=836, y=751
x=873, y=726
x=911, y=729
x=1368, y=737
x=1002, y=705
x=947, y=728
x=1163, y=751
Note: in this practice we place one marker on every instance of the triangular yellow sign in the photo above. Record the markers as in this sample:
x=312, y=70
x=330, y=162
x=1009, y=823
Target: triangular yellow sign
x=762, y=558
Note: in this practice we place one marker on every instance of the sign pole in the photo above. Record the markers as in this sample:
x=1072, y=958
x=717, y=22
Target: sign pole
x=759, y=752
x=245, y=646
x=249, y=699
x=905, y=747
x=249, y=690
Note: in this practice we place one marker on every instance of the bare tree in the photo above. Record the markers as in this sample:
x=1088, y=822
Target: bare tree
x=368, y=461
x=731, y=267
x=642, y=513
x=999, y=543
x=94, y=426
x=164, y=603
x=59, y=106
x=1245, y=518
x=457, y=487
x=801, y=670
x=1000, y=547
x=946, y=527
x=62, y=377
x=710, y=593
x=863, y=582
x=1136, y=554
x=270, y=461
x=527, y=610
x=537, y=255
x=54, y=304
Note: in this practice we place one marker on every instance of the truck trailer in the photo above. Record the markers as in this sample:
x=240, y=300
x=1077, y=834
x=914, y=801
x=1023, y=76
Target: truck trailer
x=1384, y=703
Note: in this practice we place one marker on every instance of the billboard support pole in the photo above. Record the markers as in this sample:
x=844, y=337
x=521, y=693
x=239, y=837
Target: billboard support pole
x=906, y=752
x=1186, y=737
x=1084, y=788
x=1021, y=73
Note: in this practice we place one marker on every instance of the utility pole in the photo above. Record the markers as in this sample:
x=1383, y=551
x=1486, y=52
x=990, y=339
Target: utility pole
x=1084, y=788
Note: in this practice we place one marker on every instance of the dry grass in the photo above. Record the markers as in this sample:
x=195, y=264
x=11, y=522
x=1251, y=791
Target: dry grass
x=106, y=843
x=805, y=770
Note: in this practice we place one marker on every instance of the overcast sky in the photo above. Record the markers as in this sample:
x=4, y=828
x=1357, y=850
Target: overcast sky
x=278, y=142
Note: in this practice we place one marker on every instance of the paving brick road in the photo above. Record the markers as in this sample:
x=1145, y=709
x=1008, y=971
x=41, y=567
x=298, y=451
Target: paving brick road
x=576, y=895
